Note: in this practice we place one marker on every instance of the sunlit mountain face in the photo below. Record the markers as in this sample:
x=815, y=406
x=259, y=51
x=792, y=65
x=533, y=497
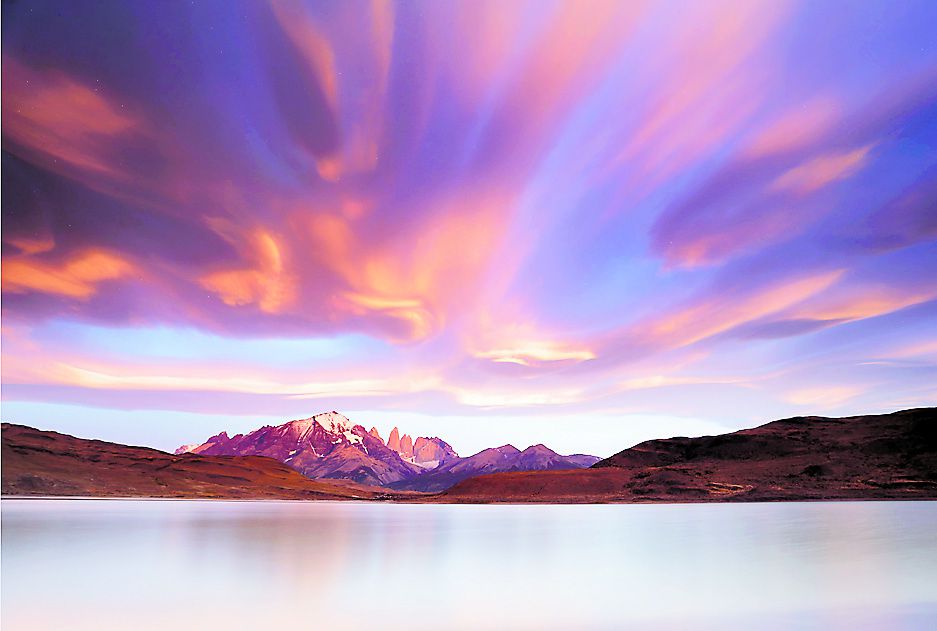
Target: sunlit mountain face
x=579, y=223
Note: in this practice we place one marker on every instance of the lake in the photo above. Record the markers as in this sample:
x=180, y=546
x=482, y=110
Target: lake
x=128, y=564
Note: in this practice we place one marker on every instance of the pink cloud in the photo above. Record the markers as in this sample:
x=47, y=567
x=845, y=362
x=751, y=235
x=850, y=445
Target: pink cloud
x=858, y=301
x=796, y=127
x=822, y=171
x=703, y=91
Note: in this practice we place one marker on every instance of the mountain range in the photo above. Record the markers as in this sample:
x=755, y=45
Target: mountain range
x=329, y=446
x=886, y=456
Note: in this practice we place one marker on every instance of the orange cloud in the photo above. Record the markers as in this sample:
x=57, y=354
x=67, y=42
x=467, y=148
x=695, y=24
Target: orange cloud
x=77, y=277
x=32, y=245
x=418, y=277
x=267, y=284
x=60, y=118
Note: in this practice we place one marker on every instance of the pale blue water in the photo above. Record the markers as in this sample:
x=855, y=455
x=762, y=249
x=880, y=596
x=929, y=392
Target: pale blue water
x=108, y=564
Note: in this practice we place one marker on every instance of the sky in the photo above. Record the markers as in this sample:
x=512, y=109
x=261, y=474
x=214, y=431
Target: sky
x=581, y=223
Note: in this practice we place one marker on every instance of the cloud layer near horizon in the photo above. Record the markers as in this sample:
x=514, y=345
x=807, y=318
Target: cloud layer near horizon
x=716, y=210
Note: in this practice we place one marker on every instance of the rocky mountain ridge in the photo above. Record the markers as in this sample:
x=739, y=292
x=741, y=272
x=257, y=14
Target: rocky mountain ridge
x=494, y=460
x=330, y=446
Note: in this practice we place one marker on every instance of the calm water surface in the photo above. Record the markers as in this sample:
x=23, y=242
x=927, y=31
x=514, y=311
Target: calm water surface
x=108, y=564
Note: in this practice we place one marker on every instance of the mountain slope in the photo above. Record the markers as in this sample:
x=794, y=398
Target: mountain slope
x=492, y=460
x=37, y=462
x=430, y=453
x=323, y=446
x=860, y=457
x=329, y=446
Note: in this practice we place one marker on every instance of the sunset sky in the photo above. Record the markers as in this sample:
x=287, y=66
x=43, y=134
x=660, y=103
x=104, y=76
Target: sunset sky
x=579, y=223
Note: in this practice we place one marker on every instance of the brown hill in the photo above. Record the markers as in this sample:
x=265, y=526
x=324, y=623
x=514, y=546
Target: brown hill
x=891, y=456
x=37, y=462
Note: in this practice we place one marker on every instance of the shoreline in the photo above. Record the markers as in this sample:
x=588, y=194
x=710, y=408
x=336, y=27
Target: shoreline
x=463, y=503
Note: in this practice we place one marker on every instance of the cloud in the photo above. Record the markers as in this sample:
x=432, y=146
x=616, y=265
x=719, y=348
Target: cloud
x=821, y=171
x=702, y=90
x=475, y=206
x=413, y=282
x=908, y=218
x=500, y=398
x=919, y=349
x=769, y=190
x=503, y=338
x=32, y=244
x=535, y=352
x=77, y=277
x=862, y=302
x=711, y=315
x=267, y=285
x=796, y=127
x=785, y=327
x=825, y=397
x=336, y=63
x=751, y=207
x=62, y=119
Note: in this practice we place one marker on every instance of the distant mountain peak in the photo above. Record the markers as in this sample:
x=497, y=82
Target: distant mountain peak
x=326, y=445
x=333, y=421
x=393, y=440
x=539, y=448
x=493, y=460
x=406, y=446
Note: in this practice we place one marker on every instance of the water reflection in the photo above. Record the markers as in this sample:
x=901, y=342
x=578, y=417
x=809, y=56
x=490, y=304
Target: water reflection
x=95, y=564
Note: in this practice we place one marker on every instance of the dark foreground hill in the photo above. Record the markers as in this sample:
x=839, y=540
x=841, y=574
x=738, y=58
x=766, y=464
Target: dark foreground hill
x=38, y=462
x=888, y=456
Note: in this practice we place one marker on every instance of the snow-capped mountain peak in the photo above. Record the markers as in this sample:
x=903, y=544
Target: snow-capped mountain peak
x=333, y=422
